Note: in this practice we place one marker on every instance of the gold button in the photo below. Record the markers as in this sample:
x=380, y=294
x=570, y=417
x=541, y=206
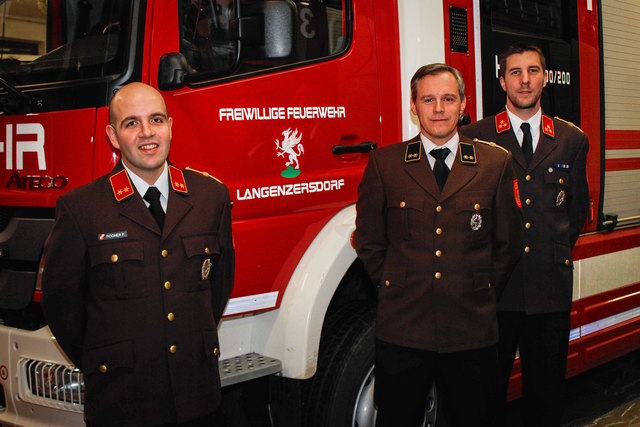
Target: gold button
x=402, y=204
x=567, y=262
x=438, y=252
x=561, y=181
x=103, y=369
x=170, y=316
x=438, y=208
x=528, y=177
x=207, y=251
x=527, y=249
x=172, y=349
x=386, y=283
x=438, y=231
x=114, y=258
x=164, y=253
x=476, y=206
x=216, y=352
x=438, y=275
x=527, y=225
x=528, y=201
x=167, y=285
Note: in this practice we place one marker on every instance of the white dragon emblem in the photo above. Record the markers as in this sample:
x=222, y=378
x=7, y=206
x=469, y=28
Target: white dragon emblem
x=289, y=144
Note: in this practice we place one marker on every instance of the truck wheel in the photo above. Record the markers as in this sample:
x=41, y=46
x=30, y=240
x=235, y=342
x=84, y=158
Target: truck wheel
x=341, y=392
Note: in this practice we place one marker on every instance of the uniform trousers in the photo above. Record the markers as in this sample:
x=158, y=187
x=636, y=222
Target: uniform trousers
x=404, y=376
x=543, y=342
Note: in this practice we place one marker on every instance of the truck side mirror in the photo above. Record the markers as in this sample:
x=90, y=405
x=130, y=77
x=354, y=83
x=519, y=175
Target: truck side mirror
x=171, y=71
x=265, y=29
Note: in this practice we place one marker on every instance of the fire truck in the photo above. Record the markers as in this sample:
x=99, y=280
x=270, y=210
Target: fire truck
x=282, y=100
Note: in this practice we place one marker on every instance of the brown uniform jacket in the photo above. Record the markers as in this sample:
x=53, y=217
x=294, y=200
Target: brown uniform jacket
x=555, y=202
x=133, y=306
x=438, y=259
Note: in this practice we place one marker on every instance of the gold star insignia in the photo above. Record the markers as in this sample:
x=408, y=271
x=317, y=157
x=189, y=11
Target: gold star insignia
x=119, y=192
x=126, y=189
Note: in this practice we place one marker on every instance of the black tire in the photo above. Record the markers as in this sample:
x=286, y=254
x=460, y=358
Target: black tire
x=340, y=394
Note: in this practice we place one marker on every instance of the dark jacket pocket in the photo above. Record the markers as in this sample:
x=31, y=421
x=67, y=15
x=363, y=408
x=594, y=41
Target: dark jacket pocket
x=202, y=252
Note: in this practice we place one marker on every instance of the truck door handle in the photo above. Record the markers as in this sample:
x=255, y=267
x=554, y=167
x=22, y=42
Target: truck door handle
x=363, y=147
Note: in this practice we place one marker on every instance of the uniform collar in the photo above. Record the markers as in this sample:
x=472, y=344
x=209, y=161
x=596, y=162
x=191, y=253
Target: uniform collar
x=162, y=184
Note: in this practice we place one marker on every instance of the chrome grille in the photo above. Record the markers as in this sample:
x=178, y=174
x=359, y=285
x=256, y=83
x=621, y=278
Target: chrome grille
x=51, y=384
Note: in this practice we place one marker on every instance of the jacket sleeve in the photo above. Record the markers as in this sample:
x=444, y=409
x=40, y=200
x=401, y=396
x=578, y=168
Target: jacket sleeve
x=579, y=202
x=507, y=226
x=223, y=275
x=64, y=283
x=370, y=237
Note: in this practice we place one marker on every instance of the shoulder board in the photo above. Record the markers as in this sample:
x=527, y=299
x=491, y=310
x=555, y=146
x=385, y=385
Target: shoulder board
x=176, y=178
x=121, y=186
x=467, y=153
x=203, y=174
x=547, y=126
x=413, y=152
x=569, y=123
x=492, y=144
x=502, y=122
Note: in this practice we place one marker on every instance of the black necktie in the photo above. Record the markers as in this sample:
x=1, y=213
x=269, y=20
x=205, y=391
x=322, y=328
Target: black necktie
x=153, y=197
x=440, y=169
x=527, y=142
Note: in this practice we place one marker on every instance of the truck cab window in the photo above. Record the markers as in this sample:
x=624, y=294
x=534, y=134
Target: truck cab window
x=44, y=42
x=220, y=38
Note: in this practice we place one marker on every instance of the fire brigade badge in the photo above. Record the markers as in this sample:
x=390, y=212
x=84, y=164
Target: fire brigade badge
x=206, y=269
x=476, y=222
x=560, y=198
x=292, y=148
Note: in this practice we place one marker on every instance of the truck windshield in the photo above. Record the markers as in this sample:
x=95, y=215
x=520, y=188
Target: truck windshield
x=53, y=41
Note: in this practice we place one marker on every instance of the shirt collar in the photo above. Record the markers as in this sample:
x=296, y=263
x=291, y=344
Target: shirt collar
x=451, y=144
x=162, y=184
x=534, y=122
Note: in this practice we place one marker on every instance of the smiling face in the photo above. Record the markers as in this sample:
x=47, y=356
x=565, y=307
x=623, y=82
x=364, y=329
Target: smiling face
x=437, y=106
x=141, y=129
x=523, y=81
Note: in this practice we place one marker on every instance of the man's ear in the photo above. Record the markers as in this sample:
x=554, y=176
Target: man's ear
x=502, y=83
x=113, y=138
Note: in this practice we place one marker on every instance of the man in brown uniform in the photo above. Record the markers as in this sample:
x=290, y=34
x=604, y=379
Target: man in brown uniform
x=550, y=162
x=135, y=284
x=440, y=248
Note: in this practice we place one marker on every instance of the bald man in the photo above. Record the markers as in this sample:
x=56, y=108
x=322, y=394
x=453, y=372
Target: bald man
x=139, y=267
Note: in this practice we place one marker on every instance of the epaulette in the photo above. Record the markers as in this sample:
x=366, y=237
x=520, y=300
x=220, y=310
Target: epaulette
x=413, y=152
x=176, y=178
x=121, y=186
x=569, y=123
x=203, y=174
x=468, y=153
x=548, y=127
x=502, y=122
x=492, y=144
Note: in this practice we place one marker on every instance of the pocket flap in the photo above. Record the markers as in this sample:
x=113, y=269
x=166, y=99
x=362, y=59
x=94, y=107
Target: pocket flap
x=123, y=251
x=105, y=357
x=211, y=344
x=202, y=244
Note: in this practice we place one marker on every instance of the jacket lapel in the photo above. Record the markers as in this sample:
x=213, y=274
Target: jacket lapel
x=420, y=171
x=460, y=174
x=177, y=207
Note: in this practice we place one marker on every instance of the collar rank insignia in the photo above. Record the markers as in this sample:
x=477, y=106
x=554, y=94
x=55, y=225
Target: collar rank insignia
x=413, y=152
x=547, y=126
x=121, y=186
x=176, y=178
x=467, y=153
x=502, y=122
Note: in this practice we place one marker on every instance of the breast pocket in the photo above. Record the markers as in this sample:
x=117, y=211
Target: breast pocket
x=405, y=217
x=202, y=253
x=117, y=270
x=556, y=190
x=474, y=215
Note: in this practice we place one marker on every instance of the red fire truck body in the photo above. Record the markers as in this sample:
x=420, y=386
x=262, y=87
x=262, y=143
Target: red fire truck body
x=282, y=100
